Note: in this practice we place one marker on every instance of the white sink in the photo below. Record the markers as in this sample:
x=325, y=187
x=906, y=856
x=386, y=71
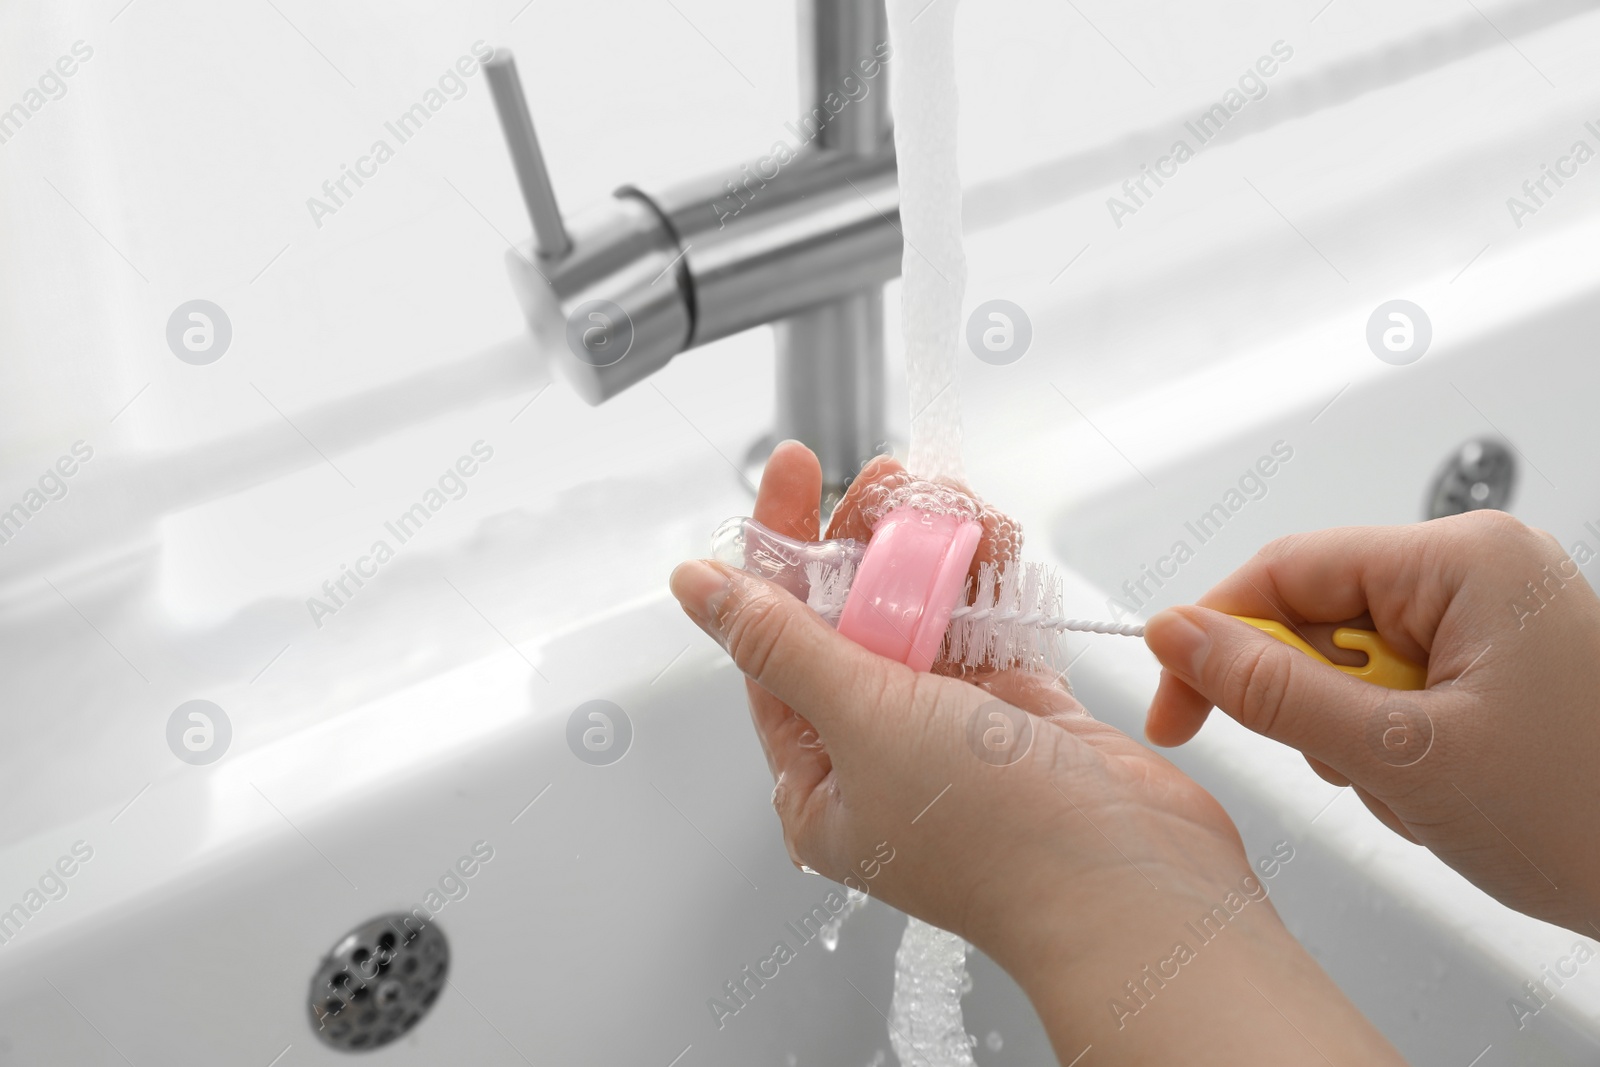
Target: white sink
x=372, y=753
x=621, y=898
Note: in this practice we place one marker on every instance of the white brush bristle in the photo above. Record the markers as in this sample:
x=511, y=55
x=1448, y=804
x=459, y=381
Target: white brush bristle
x=828, y=587
x=1011, y=619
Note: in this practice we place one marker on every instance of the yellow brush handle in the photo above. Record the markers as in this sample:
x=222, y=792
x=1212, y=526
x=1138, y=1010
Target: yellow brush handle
x=1384, y=665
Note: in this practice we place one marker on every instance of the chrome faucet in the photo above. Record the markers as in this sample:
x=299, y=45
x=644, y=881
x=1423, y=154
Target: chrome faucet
x=803, y=240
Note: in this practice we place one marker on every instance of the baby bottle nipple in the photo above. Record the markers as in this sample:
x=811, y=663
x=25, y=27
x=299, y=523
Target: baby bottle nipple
x=893, y=595
x=817, y=572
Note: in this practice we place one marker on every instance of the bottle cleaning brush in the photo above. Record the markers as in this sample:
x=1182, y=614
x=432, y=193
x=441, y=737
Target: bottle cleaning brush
x=906, y=594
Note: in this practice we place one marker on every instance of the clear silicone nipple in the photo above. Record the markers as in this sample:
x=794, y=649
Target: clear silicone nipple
x=817, y=572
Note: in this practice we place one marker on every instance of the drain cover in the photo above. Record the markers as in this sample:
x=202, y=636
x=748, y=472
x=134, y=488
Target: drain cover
x=1481, y=474
x=378, y=982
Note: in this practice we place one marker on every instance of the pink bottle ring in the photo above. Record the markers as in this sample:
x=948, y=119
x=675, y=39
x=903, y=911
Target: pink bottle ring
x=909, y=581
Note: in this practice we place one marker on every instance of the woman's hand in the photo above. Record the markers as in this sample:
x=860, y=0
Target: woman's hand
x=1068, y=852
x=1488, y=766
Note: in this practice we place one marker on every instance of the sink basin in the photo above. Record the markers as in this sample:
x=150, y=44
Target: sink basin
x=620, y=899
x=428, y=721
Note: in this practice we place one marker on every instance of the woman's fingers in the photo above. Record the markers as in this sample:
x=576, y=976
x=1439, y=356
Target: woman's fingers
x=883, y=477
x=1176, y=712
x=788, y=650
x=789, y=502
x=1271, y=688
x=1327, y=773
x=792, y=745
x=856, y=513
x=790, y=498
x=1385, y=814
x=1037, y=692
x=1331, y=576
x=1369, y=577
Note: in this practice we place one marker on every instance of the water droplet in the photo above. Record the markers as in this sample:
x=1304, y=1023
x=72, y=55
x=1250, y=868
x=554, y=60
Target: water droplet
x=994, y=1042
x=855, y=900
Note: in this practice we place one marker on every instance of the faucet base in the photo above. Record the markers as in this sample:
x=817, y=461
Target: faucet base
x=830, y=383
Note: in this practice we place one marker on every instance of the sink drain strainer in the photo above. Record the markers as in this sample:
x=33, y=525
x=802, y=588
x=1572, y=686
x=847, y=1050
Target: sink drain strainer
x=378, y=982
x=1480, y=474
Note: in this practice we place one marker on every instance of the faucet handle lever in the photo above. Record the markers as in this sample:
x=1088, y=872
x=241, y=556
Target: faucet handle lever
x=549, y=232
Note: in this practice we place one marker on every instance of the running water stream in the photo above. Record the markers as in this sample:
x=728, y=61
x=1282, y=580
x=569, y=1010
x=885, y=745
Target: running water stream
x=925, y=1026
x=922, y=88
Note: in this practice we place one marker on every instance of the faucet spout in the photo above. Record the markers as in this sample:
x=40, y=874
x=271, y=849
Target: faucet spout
x=804, y=242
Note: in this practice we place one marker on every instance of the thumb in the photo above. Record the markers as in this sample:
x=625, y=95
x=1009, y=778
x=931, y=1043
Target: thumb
x=1271, y=688
x=784, y=646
